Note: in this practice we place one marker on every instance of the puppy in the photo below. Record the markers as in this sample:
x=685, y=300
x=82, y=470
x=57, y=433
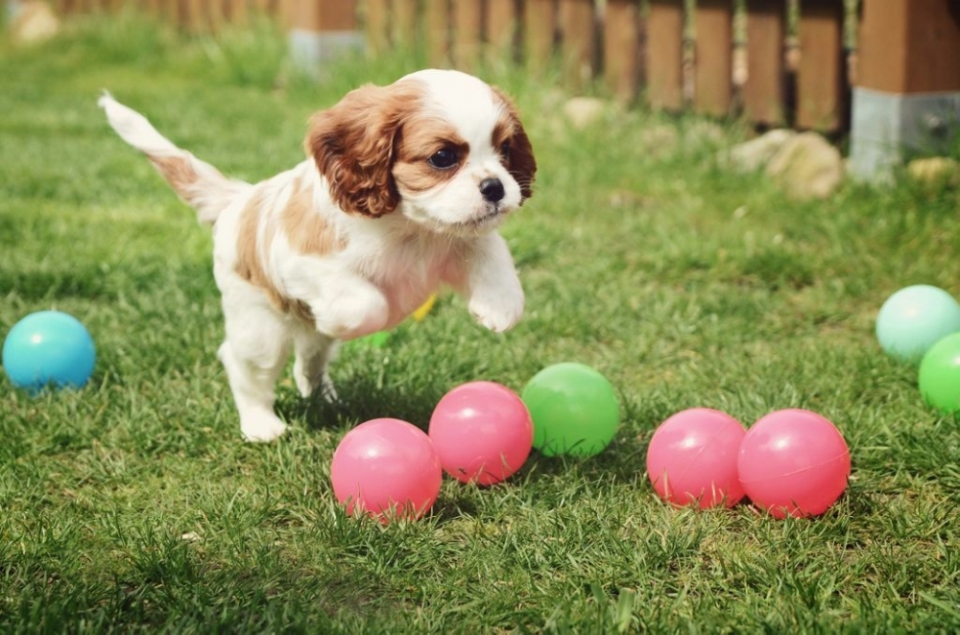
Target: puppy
x=403, y=190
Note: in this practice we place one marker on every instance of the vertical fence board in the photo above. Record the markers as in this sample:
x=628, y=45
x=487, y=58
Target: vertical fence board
x=621, y=48
x=151, y=7
x=236, y=12
x=539, y=26
x=191, y=15
x=376, y=21
x=713, y=57
x=821, y=78
x=406, y=23
x=436, y=19
x=502, y=29
x=764, y=90
x=467, y=33
x=664, y=55
x=576, y=21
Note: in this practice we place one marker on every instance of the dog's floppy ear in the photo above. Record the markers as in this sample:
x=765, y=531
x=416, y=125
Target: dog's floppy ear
x=521, y=162
x=354, y=144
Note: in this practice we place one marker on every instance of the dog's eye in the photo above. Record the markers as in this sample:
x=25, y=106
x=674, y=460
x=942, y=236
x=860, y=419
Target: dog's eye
x=444, y=159
x=505, y=149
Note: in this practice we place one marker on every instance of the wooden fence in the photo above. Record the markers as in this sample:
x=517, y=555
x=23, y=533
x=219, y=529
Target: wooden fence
x=777, y=62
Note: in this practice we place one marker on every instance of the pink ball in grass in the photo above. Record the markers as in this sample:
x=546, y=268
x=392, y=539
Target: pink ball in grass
x=692, y=458
x=794, y=462
x=482, y=432
x=387, y=468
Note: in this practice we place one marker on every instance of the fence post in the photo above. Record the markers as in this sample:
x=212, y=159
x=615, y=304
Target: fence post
x=622, y=48
x=664, y=54
x=908, y=83
x=321, y=30
x=713, y=57
x=764, y=92
x=822, y=93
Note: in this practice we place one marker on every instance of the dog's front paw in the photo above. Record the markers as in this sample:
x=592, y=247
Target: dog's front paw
x=261, y=427
x=497, y=313
x=360, y=313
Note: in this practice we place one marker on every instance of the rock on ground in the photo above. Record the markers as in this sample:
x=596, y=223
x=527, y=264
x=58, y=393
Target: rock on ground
x=754, y=154
x=807, y=166
x=35, y=21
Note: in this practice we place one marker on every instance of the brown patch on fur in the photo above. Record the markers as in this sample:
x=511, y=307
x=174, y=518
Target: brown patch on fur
x=416, y=144
x=250, y=263
x=520, y=162
x=306, y=230
x=353, y=145
x=178, y=172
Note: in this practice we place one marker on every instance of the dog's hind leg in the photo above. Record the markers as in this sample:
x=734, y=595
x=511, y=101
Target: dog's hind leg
x=314, y=352
x=254, y=354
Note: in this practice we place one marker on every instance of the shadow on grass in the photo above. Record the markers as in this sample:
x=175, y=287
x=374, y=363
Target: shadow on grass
x=361, y=398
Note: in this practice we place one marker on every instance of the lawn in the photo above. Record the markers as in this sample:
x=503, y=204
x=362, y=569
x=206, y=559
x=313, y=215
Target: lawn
x=134, y=505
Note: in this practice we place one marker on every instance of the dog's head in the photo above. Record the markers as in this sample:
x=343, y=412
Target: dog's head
x=443, y=148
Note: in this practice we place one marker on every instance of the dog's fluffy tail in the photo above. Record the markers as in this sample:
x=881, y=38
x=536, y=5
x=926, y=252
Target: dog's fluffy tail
x=198, y=183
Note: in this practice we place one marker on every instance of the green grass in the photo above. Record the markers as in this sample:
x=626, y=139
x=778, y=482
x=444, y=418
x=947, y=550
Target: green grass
x=685, y=284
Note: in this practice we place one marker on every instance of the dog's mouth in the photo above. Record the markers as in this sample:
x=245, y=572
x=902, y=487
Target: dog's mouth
x=482, y=219
x=488, y=216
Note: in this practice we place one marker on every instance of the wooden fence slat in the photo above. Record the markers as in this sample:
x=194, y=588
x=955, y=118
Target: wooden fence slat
x=502, y=29
x=821, y=79
x=406, y=23
x=713, y=57
x=576, y=21
x=236, y=12
x=377, y=26
x=764, y=91
x=437, y=27
x=322, y=15
x=191, y=15
x=664, y=55
x=621, y=48
x=539, y=27
x=467, y=33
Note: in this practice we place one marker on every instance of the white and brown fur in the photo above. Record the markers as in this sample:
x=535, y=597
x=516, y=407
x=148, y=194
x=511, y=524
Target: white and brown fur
x=403, y=190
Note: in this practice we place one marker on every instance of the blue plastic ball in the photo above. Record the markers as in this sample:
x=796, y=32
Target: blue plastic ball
x=914, y=318
x=48, y=348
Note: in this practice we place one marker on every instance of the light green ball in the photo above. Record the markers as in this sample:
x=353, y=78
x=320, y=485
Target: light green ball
x=574, y=410
x=939, y=376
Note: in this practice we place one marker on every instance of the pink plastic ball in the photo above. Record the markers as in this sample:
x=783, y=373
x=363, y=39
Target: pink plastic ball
x=386, y=468
x=482, y=432
x=794, y=462
x=692, y=458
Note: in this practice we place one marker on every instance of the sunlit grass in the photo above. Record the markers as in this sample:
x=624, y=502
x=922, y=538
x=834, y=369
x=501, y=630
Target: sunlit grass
x=134, y=505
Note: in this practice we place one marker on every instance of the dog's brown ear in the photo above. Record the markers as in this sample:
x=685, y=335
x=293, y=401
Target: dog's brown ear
x=354, y=144
x=521, y=163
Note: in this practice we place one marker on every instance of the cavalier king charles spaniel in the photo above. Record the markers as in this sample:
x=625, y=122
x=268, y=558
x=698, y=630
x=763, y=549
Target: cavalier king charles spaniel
x=403, y=190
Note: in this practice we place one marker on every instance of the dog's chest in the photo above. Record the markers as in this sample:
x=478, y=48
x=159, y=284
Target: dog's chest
x=409, y=272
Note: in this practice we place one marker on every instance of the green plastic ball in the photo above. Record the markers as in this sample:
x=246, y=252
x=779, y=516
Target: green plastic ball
x=574, y=410
x=940, y=374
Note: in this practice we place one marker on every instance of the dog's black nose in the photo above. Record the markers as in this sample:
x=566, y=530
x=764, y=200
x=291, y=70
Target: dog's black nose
x=491, y=189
